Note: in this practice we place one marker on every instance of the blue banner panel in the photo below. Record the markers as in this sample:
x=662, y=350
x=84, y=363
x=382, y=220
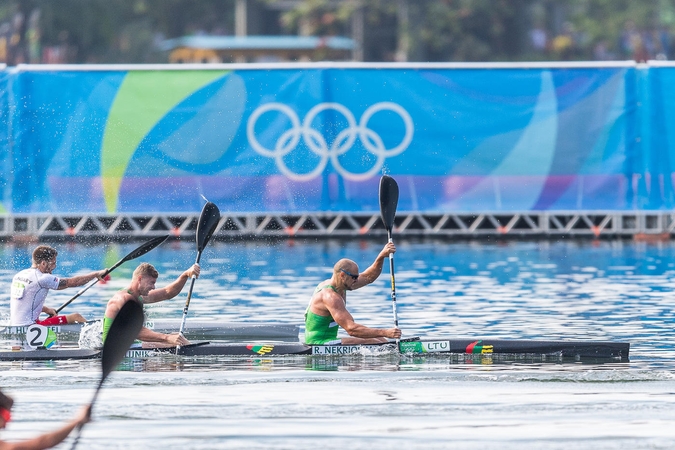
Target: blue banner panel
x=60, y=118
x=318, y=139
x=5, y=149
x=658, y=134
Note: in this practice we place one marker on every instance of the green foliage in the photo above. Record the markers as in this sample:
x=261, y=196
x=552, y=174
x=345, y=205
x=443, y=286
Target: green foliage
x=438, y=30
x=496, y=30
x=120, y=31
x=423, y=30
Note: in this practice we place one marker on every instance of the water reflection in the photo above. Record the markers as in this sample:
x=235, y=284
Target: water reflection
x=348, y=363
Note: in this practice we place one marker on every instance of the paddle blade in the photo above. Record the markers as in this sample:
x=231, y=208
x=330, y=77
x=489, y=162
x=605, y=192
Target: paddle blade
x=140, y=251
x=123, y=331
x=208, y=221
x=145, y=248
x=388, y=201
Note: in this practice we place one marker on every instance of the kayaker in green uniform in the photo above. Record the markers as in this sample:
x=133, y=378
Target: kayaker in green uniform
x=142, y=289
x=328, y=307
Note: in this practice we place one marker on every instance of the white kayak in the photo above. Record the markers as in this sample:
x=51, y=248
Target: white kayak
x=195, y=328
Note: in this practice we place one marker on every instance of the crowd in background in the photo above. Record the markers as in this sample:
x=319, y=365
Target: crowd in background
x=20, y=42
x=641, y=45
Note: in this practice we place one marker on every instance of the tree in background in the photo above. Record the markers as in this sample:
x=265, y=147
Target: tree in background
x=127, y=31
x=109, y=31
x=496, y=30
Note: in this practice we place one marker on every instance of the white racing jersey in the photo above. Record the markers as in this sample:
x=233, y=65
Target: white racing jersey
x=29, y=290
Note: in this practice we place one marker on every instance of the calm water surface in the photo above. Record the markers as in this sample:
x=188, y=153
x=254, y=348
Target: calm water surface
x=616, y=290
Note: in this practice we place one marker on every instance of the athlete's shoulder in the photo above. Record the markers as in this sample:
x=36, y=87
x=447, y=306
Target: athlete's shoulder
x=26, y=274
x=121, y=297
x=325, y=288
x=48, y=280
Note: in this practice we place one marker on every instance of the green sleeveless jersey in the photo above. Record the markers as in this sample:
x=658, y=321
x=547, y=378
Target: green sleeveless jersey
x=320, y=329
x=107, y=321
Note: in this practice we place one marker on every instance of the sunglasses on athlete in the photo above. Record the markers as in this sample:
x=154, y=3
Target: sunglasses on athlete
x=354, y=277
x=5, y=414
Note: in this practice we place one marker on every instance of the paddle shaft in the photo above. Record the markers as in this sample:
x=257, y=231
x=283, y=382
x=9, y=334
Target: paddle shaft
x=80, y=292
x=189, y=296
x=388, y=203
x=124, y=329
x=393, y=284
x=91, y=405
x=140, y=251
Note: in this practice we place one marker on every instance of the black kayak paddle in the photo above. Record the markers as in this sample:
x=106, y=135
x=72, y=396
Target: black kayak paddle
x=140, y=251
x=208, y=221
x=123, y=331
x=388, y=203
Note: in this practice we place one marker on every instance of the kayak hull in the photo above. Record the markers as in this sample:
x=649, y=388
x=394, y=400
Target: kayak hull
x=194, y=329
x=578, y=350
x=49, y=355
x=565, y=349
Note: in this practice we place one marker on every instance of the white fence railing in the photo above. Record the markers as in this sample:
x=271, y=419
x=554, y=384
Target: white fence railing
x=341, y=224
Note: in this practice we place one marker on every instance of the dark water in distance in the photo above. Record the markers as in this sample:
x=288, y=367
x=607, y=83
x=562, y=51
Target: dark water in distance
x=606, y=290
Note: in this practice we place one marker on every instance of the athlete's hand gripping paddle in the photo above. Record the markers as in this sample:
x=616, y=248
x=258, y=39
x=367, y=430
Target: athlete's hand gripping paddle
x=208, y=221
x=388, y=203
x=123, y=331
x=140, y=251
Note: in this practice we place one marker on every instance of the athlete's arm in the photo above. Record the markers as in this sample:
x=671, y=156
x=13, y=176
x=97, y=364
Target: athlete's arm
x=173, y=289
x=51, y=312
x=371, y=273
x=80, y=280
x=49, y=440
x=336, y=307
x=147, y=335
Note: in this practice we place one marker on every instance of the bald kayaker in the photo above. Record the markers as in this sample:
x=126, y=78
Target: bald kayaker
x=142, y=289
x=328, y=307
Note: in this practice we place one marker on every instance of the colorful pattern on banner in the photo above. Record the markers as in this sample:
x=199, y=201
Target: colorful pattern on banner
x=318, y=139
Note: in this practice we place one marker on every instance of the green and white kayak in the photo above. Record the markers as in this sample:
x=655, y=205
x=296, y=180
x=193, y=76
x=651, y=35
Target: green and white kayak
x=575, y=350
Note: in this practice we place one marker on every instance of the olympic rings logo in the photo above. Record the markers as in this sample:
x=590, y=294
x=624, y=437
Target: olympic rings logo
x=343, y=142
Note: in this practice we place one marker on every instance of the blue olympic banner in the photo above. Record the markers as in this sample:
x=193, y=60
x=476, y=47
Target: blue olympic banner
x=318, y=138
x=658, y=138
x=5, y=148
